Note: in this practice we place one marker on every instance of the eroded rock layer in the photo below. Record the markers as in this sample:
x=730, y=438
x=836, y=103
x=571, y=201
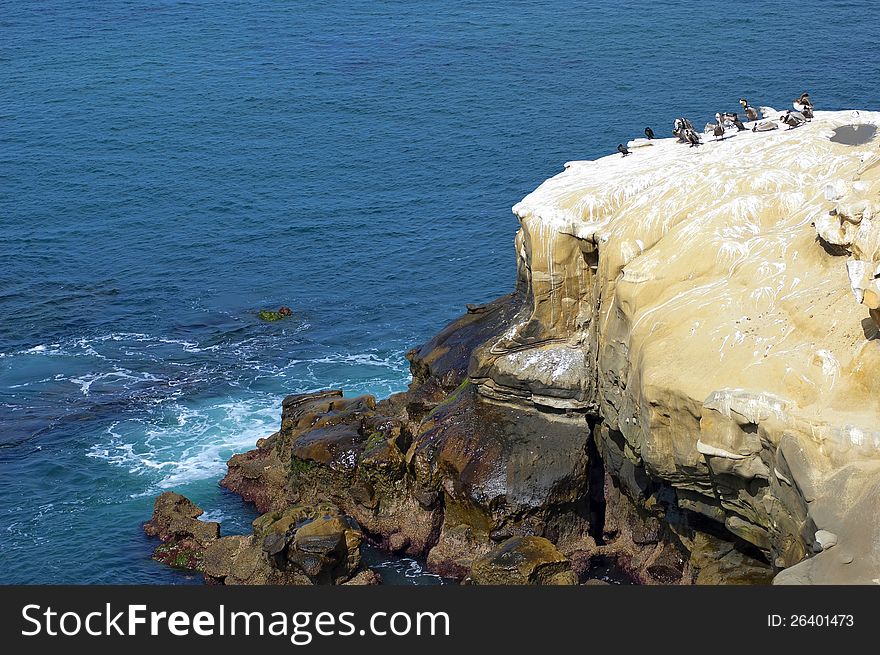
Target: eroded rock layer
x=684, y=297
x=682, y=388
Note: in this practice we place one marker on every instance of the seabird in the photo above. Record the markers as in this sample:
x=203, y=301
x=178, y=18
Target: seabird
x=622, y=149
x=803, y=104
x=678, y=128
x=731, y=118
x=649, y=133
x=764, y=126
x=751, y=113
x=683, y=129
x=793, y=119
x=718, y=130
x=692, y=137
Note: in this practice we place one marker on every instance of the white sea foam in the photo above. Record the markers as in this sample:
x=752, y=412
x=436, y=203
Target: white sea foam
x=85, y=382
x=186, y=444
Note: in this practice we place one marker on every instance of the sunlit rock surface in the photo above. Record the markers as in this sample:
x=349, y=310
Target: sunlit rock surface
x=682, y=387
x=704, y=304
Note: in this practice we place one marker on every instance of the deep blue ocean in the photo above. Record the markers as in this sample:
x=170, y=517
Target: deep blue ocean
x=168, y=169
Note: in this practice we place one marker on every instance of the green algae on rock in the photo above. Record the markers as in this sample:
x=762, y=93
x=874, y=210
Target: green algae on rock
x=270, y=315
x=184, y=537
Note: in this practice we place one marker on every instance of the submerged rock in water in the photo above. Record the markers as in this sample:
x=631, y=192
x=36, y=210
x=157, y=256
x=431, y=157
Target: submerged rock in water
x=269, y=315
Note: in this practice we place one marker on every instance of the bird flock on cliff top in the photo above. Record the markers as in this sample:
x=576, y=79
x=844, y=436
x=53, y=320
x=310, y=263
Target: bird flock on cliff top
x=684, y=130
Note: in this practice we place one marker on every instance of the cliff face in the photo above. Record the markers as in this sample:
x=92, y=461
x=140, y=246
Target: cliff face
x=682, y=386
x=702, y=304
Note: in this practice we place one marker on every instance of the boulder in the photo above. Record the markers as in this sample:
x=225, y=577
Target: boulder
x=184, y=537
x=300, y=545
x=523, y=561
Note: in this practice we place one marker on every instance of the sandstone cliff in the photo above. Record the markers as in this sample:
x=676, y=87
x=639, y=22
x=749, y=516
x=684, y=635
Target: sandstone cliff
x=683, y=383
x=684, y=297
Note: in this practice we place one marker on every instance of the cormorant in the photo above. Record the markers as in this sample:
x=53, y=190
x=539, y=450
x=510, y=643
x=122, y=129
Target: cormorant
x=622, y=149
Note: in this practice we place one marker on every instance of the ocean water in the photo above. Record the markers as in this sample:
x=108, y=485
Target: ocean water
x=168, y=169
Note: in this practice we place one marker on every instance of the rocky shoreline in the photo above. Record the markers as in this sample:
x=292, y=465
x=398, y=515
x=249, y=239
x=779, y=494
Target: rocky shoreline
x=679, y=387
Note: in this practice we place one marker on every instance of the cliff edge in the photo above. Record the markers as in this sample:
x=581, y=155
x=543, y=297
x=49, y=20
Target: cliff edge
x=681, y=388
x=704, y=304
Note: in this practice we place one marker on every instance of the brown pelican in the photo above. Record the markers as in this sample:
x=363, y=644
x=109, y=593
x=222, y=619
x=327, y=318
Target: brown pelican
x=718, y=129
x=793, y=119
x=678, y=129
x=683, y=129
x=802, y=103
x=751, y=113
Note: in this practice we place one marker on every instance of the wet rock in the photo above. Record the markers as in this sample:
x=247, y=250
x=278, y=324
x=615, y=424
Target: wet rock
x=523, y=561
x=176, y=516
x=184, y=537
x=300, y=545
x=346, y=451
x=735, y=568
x=398, y=542
x=499, y=471
x=271, y=316
x=367, y=577
x=441, y=365
x=320, y=542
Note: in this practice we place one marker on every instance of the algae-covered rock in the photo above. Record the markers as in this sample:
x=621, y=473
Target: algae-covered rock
x=300, y=545
x=184, y=537
x=270, y=315
x=523, y=561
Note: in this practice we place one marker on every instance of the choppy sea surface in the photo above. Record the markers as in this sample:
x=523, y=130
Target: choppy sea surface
x=168, y=169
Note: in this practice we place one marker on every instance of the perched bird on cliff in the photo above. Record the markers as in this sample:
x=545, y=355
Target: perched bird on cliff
x=684, y=130
x=793, y=119
x=718, y=130
x=649, y=133
x=751, y=112
x=731, y=118
x=804, y=106
x=764, y=126
x=799, y=116
x=803, y=101
x=622, y=149
x=680, y=129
